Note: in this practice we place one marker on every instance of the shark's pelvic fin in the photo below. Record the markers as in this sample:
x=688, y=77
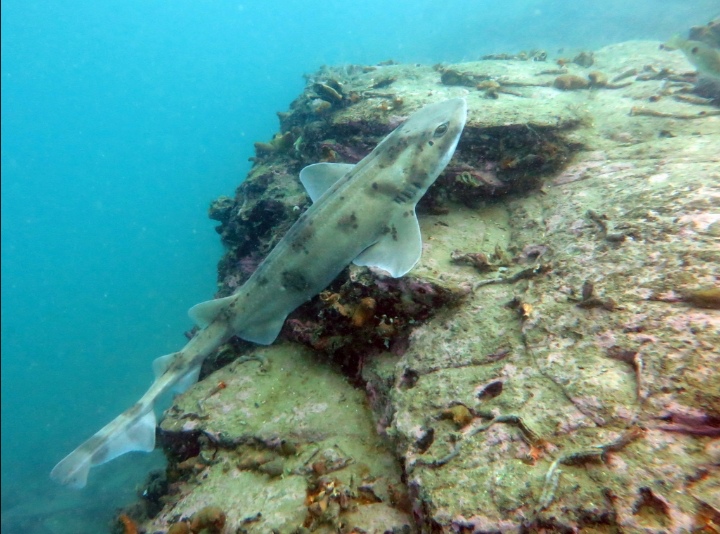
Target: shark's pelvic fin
x=397, y=251
x=265, y=333
x=115, y=439
x=320, y=177
x=138, y=437
x=160, y=366
x=188, y=380
x=206, y=312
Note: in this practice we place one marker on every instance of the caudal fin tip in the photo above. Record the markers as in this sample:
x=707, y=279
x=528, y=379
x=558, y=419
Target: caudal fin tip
x=71, y=473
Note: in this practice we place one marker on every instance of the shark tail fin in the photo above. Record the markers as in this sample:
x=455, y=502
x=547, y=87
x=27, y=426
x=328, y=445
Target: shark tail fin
x=127, y=432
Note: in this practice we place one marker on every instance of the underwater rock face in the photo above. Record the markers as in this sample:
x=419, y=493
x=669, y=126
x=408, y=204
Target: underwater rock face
x=285, y=442
x=551, y=363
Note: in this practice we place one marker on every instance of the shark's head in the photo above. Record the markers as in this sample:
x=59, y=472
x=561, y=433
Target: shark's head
x=418, y=150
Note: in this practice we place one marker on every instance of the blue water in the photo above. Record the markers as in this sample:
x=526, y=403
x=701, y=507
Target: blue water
x=121, y=121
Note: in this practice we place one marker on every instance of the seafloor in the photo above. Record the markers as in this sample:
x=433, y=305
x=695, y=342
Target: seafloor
x=552, y=362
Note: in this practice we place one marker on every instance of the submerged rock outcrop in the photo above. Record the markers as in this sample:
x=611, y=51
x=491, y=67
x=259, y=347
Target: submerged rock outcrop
x=552, y=362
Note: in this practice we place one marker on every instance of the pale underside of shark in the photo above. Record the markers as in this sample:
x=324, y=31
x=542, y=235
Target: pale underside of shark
x=362, y=214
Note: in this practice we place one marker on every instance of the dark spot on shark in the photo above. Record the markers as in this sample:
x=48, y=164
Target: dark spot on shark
x=136, y=408
x=294, y=280
x=348, y=222
x=100, y=455
x=404, y=196
x=93, y=443
x=262, y=281
x=304, y=235
x=390, y=155
x=394, y=233
x=385, y=188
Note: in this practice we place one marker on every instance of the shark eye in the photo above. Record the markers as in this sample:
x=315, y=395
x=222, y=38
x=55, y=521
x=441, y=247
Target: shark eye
x=440, y=130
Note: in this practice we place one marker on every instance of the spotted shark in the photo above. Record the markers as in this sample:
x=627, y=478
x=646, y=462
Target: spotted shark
x=362, y=214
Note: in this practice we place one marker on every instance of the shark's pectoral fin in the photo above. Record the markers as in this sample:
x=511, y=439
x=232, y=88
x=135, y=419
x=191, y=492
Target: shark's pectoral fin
x=112, y=441
x=265, y=333
x=398, y=250
x=206, y=312
x=320, y=177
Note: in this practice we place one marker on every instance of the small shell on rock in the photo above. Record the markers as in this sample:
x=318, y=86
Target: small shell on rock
x=460, y=415
x=328, y=92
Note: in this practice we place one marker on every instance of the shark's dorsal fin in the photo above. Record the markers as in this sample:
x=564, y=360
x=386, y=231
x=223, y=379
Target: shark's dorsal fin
x=398, y=250
x=206, y=312
x=320, y=177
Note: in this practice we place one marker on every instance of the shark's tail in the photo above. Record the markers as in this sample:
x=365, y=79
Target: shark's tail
x=132, y=430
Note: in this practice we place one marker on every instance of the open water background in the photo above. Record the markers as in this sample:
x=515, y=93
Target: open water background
x=121, y=121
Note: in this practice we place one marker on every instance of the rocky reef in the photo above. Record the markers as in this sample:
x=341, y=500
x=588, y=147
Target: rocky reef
x=550, y=365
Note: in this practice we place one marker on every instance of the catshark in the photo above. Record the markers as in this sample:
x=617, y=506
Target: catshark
x=362, y=214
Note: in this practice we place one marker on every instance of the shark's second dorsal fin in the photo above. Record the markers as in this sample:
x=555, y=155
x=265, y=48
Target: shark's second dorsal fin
x=161, y=364
x=206, y=312
x=398, y=250
x=320, y=177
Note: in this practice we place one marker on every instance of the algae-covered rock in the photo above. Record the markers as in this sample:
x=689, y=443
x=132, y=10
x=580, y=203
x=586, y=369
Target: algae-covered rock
x=551, y=363
x=282, y=425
